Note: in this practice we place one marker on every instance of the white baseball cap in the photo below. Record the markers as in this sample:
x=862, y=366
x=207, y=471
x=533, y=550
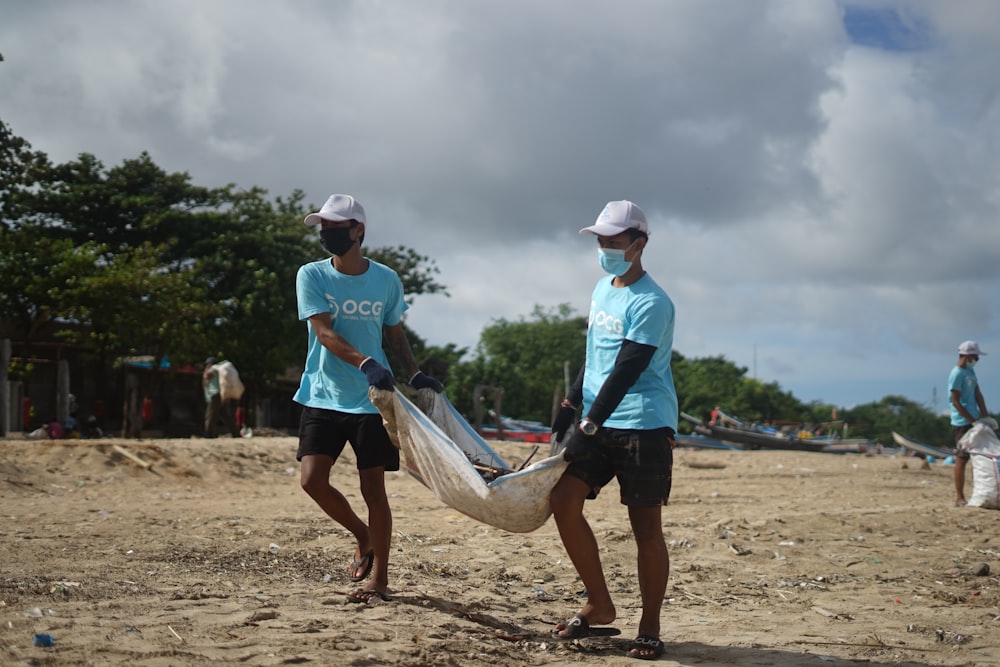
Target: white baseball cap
x=970, y=347
x=617, y=217
x=337, y=207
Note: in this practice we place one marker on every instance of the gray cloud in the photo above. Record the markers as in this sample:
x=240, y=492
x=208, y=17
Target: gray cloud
x=822, y=210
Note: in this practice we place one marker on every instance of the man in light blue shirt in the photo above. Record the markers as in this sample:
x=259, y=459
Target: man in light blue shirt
x=349, y=301
x=967, y=406
x=627, y=432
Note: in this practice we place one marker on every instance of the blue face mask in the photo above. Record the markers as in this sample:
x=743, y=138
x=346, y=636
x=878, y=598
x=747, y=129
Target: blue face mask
x=971, y=363
x=613, y=260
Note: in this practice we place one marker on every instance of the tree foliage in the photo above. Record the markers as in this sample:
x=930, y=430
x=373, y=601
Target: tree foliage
x=528, y=359
x=134, y=259
x=878, y=420
x=142, y=261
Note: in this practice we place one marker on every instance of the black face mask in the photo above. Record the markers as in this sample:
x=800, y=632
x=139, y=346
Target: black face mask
x=336, y=240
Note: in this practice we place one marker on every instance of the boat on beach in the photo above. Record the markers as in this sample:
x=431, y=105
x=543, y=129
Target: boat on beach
x=521, y=430
x=748, y=437
x=921, y=447
x=698, y=441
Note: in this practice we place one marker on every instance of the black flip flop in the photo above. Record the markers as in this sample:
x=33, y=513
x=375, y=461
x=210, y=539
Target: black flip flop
x=645, y=643
x=579, y=627
x=362, y=596
x=366, y=561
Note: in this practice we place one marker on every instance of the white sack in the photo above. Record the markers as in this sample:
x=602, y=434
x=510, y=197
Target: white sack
x=230, y=385
x=984, y=449
x=442, y=450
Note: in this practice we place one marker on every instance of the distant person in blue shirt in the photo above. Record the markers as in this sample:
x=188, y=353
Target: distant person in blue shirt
x=967, y=407
x=349, y=301
x=627, y=431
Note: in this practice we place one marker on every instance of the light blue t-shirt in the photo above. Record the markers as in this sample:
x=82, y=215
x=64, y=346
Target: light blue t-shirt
x=642, y=313
x=964, y=380
x=359, y=306
x=211, y=385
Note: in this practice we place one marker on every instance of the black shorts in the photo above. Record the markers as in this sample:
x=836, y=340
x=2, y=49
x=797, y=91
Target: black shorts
x=327, y=431
x=642, y=461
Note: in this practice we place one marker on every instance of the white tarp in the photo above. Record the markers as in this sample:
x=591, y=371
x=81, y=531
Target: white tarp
x=984, y=450
x=443, y=451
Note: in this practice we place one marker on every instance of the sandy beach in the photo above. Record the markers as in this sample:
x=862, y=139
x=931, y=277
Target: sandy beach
x=184, y=552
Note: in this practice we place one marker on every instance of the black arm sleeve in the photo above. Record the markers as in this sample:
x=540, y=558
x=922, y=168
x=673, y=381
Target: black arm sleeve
x=575, y=394
x=632, y=360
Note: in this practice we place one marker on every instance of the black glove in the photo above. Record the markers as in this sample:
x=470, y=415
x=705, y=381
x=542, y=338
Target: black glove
x=378, y=375
x=564, y=419
x=421, y=381
x=580, y=447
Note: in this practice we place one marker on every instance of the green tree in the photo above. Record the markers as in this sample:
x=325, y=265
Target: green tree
x=20, y=171
x=245, y=266
x=879, y=419
x=527, y=358
x=704, y=383
x=417, y=272
x=138, y=260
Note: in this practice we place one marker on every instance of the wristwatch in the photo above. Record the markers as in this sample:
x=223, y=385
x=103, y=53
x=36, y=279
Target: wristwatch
x=588, y=427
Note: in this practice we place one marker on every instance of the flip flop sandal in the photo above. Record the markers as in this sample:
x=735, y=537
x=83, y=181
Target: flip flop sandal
x=579, y=627
x=361, y=568
x=645, y=643
x=362, y=596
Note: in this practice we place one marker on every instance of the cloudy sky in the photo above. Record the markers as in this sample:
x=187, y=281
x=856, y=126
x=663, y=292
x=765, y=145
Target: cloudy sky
x=822, y=178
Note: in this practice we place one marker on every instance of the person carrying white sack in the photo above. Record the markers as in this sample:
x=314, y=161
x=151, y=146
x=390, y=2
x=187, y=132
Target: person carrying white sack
x=967, y=407
x=218, y=405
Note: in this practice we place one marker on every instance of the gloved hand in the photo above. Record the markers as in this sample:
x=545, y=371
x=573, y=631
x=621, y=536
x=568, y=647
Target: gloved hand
x=988, y=421
x=422, y=381
x=378, y=375
x=564, y=419
x=580, y=447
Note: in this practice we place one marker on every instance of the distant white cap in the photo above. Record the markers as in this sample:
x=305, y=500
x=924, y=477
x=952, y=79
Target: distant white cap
x=618, y=217
x=970, y=347
x=337, y=207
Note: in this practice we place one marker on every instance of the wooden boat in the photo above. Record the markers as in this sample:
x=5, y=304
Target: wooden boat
x=697, y=441
x=847, y=446
x=751, y=439
x=921, y=447
x=519, y=435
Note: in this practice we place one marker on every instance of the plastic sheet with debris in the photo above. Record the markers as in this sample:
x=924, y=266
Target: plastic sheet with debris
x=442, y=450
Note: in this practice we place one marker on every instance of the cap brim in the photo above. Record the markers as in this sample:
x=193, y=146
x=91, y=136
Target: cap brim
x=316, y=219
x=603, y=230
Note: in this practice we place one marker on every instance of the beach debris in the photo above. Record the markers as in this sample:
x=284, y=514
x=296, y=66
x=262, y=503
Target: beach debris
x=829, y=614
x=740, y=550
x=145, y=465
x=981, y=569
x=36, y=612
x=262, y=615
x=63, y=586
x=44, y=640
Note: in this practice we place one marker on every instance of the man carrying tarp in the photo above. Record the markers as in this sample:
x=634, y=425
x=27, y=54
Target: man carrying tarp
x=349, y=301
x=630, y=417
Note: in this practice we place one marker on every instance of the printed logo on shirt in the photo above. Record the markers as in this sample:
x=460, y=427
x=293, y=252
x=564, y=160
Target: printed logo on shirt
x=602, y=320
x=354, y=310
